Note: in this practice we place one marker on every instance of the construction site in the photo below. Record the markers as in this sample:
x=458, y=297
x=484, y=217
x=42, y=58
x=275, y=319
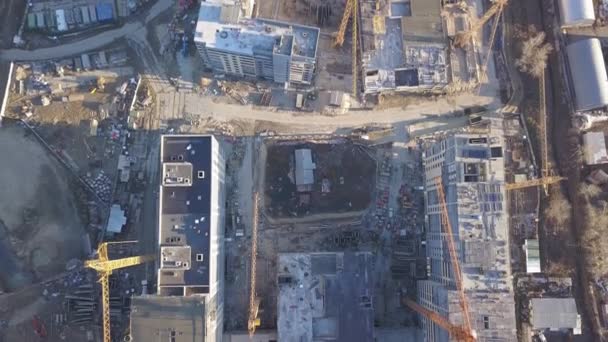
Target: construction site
x=292, y=189
x=303, y=171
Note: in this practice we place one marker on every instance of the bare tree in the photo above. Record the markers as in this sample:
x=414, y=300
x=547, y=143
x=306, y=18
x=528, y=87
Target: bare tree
x=589, y=191
x=534, y=53
x=559, y=209
x=594, y=240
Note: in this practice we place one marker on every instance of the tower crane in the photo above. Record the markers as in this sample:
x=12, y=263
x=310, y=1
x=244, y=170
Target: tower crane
x=456, y=332
x=350, y=11
x=254, y=301
x=463, y=39
x=445, y=222
x=104, y=267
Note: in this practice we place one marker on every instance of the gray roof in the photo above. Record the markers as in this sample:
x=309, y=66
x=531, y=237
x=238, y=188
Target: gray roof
x=304, y=167
x=595, y=148
x=185, y=211
x=554, y=313
x=588, y=73
x=177, y=319
x=220, y=27
x=576, y=12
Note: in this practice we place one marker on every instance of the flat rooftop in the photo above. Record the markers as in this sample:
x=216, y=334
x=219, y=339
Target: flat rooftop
x=411, y=50
x=325, y=297
x=474, y=169
x=185, y=207
x=220, y=27
x=175, y=319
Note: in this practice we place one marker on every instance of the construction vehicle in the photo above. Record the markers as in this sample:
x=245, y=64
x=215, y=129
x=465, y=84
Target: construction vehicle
x=104, y=267
x=350, y=11
x=254, y=301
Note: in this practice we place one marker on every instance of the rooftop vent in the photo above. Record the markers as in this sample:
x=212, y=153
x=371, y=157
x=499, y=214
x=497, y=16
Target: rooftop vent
x=305, y=34
x=223, y=34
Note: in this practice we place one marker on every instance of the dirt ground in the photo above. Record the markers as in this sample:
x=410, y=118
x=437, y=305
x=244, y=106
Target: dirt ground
x=40, y=229
x=349, y=191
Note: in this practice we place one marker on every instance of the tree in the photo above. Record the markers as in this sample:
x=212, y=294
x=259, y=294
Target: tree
x=559, y=209
x=534, y=53
x=590, y=191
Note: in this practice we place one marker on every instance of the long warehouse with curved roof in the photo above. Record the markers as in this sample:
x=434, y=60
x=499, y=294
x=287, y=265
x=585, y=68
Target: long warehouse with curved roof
x=576, y=12
x=588, y=74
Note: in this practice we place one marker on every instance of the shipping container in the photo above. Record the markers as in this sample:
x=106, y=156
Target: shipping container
x=50, y=20
x=77, y=15
x=92, y=13
x=61, y=23
x=31, y=21
x=40, y=20
x=86, y=62
x=69, y=18
x=77, y=64
x=104, y=12
x=84, y=10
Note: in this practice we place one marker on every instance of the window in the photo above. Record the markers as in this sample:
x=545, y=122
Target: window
x=201, y=174
x=486, y=322
x=199, y=257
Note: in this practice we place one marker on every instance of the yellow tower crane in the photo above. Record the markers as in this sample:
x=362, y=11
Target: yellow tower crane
x=350, y=11
x=104, y=268
x=254, y=301
x=463, y=39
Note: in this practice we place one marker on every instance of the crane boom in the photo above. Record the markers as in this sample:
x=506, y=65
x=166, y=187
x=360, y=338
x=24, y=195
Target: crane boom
x=456, y=332
x=445, y=218
x=462, y=39
x=339, y=41
x=354, y=62
x=254, y=301
x=535, y=182
x=350, y=11
x=104, y=268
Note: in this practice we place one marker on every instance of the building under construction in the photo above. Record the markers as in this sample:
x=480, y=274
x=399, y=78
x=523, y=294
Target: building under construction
x=191, y=225
x=471, y=170
x=406, y=46
x=325, y=297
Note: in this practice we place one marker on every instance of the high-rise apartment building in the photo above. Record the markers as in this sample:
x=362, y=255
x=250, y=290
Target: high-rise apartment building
x=471, y=170
x=255, y=48
x=191, y=225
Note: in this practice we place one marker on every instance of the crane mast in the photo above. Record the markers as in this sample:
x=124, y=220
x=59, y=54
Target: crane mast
x=104, y=267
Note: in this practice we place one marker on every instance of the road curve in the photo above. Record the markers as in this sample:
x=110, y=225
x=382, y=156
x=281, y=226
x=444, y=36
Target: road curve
x=86, y=44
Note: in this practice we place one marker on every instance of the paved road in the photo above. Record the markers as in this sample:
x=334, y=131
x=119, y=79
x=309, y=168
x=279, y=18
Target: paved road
x=90, y=43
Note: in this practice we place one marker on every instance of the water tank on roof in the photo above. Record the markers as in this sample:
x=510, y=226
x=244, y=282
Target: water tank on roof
x=223, y=34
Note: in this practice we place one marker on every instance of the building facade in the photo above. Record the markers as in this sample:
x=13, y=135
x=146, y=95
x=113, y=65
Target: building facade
x=470, y=168
x=191, y=224
x=255, y=48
